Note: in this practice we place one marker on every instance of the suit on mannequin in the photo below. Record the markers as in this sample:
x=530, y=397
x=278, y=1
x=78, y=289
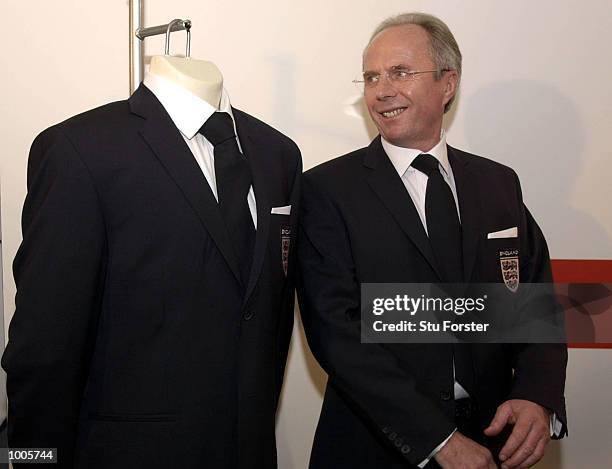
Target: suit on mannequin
x=135, y=342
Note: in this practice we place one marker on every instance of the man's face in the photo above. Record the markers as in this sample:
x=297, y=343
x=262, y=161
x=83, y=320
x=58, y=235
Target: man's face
x=407, y=113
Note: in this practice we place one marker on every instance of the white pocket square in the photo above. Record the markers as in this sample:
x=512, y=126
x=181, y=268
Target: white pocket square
x=507, y=233
x=286, y=210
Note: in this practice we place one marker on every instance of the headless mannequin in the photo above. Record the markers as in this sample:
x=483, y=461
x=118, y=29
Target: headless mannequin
x=200, y=77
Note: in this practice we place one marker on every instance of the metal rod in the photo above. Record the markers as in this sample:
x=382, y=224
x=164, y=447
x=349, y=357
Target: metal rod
x=188, y=46
x=136, y=47
x=141, y=33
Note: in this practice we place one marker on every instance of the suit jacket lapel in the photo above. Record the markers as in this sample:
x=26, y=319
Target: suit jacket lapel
x=466, y=183
x=168, y=145
x=388, y=186
x=255, y=154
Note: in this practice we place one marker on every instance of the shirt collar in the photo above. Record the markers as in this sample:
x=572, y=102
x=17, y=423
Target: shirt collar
x=187, y=111
x=402, y=158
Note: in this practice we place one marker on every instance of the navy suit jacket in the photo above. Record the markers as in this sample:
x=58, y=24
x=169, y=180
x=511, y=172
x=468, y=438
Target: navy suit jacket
x=390, y=405
x=134, y=342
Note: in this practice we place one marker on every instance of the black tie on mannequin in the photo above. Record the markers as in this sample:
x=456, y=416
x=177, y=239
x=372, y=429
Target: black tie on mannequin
x=233, y=177
x=444, y=231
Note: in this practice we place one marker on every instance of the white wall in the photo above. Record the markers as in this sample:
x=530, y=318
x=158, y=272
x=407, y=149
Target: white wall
x=535, y=94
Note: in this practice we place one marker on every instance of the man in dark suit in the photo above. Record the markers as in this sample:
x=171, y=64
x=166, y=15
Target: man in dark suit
x=142, y=336
x=410, y=209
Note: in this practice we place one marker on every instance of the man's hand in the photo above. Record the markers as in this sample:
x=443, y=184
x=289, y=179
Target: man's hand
x=531, y=433
x=460, y=452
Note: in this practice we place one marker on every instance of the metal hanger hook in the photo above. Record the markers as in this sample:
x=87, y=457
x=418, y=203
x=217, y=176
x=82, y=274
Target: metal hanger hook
x=187, y=25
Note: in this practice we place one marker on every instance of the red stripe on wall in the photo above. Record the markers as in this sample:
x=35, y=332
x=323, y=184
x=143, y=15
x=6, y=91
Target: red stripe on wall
x=581, y=345
x=583, y=271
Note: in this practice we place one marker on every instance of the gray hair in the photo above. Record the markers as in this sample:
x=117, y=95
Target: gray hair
x=443, y=48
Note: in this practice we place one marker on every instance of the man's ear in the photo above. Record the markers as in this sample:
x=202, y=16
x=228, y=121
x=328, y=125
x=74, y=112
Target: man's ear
x=451, y=79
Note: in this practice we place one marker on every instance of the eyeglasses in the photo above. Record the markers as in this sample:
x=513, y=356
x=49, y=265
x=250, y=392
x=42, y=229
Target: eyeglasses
x=396, y=76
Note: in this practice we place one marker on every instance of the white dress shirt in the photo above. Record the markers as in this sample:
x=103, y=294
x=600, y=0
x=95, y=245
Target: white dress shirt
x=416, y=184
x=189, y=112
x=416, y=181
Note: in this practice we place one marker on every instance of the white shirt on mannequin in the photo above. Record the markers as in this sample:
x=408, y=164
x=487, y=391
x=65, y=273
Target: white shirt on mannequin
x=189, y=112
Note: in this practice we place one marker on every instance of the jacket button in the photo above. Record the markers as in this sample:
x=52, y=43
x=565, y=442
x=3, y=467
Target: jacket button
x=445, y=395
x=248, y=315
x=405, y=449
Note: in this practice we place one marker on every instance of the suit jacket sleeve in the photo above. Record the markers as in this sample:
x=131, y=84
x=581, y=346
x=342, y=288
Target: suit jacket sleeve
x=368, y=376
x=59, y=270
x=286, y=320
x=539, y=369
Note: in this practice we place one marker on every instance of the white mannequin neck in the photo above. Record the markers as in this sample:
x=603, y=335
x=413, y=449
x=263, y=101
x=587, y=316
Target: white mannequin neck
x=200, y=77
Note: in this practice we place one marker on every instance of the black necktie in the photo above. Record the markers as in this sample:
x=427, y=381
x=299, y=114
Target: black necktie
x=444, y=231
x=443, y=227
x=233, y=176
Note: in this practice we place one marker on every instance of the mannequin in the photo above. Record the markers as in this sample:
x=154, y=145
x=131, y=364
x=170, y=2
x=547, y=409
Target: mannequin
x=174, y=290
x=200, y=77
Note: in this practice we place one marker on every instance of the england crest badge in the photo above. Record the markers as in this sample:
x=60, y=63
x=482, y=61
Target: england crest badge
x=285, y=240
x=509, y=263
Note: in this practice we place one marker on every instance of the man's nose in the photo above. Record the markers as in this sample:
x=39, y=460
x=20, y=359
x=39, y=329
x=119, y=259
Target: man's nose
x=385, y=88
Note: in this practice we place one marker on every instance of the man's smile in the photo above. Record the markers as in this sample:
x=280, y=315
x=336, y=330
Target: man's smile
x=392, y=113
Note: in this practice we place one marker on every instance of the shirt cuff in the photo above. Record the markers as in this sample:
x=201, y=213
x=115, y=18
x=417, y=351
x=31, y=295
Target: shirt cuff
x=555, y=425
x=436, y=449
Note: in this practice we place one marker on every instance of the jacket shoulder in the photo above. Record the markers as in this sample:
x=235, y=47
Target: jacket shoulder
x=102, y=117
x=340, y=168
x=287, y=152
x=481, y=164
x=263, y=131
x=94, y=122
